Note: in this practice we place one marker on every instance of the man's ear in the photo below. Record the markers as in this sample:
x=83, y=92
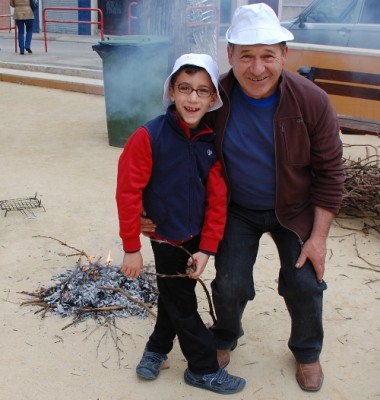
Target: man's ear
x=229, y=54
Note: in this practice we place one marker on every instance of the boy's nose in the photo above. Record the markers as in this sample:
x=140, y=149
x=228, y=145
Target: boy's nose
x=193, y=96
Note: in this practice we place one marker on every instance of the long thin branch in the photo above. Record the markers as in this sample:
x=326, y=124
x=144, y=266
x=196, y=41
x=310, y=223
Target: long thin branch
x=362, y=258
x=80, y=252
x=191, y=268
x=126, y=294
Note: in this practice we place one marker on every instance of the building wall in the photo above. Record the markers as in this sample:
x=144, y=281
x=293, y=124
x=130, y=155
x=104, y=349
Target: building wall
x=59, y=27
x=4, y=10
x=286, y=10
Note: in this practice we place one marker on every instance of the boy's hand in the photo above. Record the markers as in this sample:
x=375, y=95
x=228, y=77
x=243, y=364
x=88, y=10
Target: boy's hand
x=200, y=260
x=132, y=264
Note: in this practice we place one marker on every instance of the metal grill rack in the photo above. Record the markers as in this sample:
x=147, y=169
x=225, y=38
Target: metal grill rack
x=24, y=205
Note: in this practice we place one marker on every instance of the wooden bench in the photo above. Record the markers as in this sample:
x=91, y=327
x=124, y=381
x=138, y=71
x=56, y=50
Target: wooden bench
x=350, y=84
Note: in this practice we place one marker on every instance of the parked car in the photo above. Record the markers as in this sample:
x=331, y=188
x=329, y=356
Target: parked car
x=348, y=23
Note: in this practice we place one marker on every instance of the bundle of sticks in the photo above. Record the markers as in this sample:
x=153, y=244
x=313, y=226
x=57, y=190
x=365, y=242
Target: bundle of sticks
x=361, y=196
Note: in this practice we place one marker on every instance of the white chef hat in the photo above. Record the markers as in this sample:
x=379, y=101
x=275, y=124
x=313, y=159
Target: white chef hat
x=256, y=24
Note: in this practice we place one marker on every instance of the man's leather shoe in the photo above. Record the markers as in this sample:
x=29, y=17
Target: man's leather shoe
x=310, y=376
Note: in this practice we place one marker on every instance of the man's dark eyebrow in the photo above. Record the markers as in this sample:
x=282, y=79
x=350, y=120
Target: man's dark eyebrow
x=268, y=50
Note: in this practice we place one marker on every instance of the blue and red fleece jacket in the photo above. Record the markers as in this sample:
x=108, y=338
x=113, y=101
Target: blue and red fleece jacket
x=171, y=171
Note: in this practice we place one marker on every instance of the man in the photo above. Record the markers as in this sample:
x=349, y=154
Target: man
x=278, y=140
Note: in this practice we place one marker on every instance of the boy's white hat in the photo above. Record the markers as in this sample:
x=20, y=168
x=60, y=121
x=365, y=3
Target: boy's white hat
x=256, y=24
x=200, y=60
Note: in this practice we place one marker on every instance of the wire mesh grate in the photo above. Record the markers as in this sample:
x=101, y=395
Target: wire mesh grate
x=23, y=205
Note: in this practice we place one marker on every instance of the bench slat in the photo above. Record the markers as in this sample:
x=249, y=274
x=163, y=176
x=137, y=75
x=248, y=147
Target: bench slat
x=363, y=78
x=358, y=126
x=350, y=91
x=329, y=80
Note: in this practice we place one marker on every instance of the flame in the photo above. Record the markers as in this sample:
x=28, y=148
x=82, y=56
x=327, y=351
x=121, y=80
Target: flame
x=109, y=259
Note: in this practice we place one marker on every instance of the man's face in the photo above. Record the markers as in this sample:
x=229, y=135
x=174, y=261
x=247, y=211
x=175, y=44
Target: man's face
x=257, y=67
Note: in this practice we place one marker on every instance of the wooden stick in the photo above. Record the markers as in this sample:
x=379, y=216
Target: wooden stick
x=126, y=294
x=80, y=252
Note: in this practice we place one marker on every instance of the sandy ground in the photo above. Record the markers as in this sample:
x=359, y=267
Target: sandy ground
x=55, y=143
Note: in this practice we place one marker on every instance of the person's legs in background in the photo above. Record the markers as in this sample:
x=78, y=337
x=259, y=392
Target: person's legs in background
x=21, y=35
x=29, y=33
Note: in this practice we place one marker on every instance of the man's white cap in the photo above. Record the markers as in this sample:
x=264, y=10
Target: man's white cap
x=200, y=60
x=256, y=24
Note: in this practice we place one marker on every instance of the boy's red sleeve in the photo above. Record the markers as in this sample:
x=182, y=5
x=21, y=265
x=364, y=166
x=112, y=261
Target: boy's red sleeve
x=216, y=210
x=134, y=171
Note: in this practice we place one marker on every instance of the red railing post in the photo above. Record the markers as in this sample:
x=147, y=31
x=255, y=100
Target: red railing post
x=44, y=20
x=130, y=16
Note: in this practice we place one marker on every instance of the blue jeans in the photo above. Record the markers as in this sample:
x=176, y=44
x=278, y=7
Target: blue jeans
x=233, y=285
x=24, y=43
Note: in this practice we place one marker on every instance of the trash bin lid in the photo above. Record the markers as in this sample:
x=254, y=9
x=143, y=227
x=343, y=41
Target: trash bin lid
x=135, y=40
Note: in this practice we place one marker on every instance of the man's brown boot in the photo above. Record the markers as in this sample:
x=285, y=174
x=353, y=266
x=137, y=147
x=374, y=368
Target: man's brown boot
x=310, y=376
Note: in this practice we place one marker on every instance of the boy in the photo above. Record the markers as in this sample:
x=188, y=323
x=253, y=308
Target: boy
x=169, y=169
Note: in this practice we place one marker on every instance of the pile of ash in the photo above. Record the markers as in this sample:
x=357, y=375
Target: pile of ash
x=97, y=289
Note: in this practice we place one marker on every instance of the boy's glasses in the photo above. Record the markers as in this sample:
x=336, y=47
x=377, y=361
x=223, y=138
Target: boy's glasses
x=187, y=89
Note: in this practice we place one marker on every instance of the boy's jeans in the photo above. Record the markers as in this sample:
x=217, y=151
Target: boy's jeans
x=234, y=285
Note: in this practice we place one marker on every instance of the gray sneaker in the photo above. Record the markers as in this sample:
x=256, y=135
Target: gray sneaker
x=220, y=382
x=150, y=364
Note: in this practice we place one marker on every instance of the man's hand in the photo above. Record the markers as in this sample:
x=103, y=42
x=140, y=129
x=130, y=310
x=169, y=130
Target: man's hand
x=132, y=264
x=315, y=250
x=200, y=260
x=147, y=225
x=315, y=247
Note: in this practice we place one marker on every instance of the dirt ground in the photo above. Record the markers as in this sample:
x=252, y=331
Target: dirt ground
x=55, y=144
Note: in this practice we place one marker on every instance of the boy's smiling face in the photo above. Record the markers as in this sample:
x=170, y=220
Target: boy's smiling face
x=192, y=107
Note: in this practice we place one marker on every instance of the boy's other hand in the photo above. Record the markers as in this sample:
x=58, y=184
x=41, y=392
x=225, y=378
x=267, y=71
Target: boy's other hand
x=200, y=260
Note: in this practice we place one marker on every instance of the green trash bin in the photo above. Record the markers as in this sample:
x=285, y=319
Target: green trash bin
x=134, y=70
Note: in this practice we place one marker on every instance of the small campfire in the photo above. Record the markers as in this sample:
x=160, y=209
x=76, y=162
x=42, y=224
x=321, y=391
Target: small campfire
x=93, y=289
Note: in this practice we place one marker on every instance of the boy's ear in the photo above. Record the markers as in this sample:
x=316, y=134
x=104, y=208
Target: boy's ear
x=213, y=99
x=171, y=93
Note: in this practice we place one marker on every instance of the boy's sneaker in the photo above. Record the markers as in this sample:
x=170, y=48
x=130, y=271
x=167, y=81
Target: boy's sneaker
x=150, y=364
x=220, y=382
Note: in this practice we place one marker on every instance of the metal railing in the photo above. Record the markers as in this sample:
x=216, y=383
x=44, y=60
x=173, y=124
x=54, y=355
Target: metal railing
x=45, y=20
x=10, y=28
x=130, y=16
x=202, y=25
